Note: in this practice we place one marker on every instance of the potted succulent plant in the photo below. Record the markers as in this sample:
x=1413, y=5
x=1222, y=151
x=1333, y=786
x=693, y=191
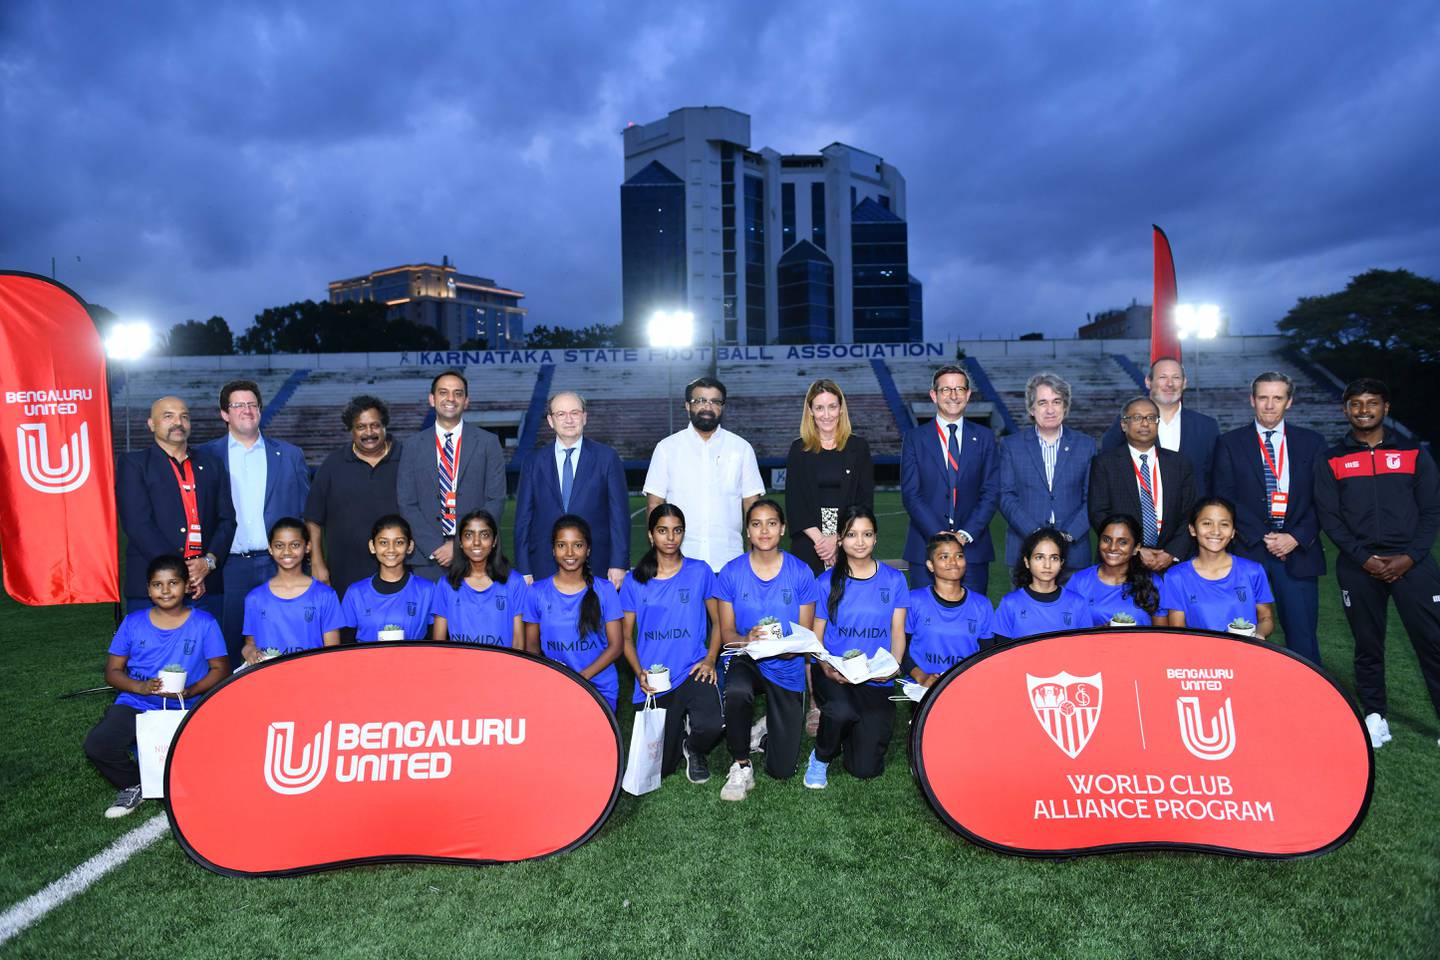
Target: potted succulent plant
x=772, y=624
x=172, y=678
x=1242, y=627
x=391, y=631
x=1122, y=619
x=658, y=676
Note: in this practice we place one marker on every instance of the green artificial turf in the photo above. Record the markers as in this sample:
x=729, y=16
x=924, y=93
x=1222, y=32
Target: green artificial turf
x=859, y=870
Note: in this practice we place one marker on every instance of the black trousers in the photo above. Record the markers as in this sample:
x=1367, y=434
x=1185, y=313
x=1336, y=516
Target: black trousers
x=855, y=720
x=784, y=717
x=700, y=702
x=108, y=746
x=1417, y=598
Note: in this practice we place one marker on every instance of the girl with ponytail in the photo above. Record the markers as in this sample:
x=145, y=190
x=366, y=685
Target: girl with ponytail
x=573, y=618
x=862, y=609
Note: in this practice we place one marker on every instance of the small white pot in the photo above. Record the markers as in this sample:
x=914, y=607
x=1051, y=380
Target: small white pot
x=777, y=631
x=1122, y=623
x=172, y=682
x=391, y=635
x=1241, y=633
x=659, y=680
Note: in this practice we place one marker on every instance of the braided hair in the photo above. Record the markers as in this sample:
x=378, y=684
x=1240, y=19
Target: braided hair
x=840, y=573
x=590, y=603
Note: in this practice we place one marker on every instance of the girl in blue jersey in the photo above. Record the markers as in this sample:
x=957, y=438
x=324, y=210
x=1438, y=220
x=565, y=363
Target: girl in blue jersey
x=1120, y=583
x=862, y=607
x=147, y=642
x=1217, y=587
x=672, y=618
x=574, y=618
x=481, y=600
x=765, y=582
x=1040, y=604
x=394, y=597
x=945, y=623
x=293, y=611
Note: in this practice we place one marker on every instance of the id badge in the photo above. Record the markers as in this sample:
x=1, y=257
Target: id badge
x=1278, y=502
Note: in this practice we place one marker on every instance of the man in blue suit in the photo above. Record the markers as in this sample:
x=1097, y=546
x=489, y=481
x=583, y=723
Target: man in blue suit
x=1045, y=474
x=572, y=475
x=174, y=500
x=1267, y=469
x=1183, y=430
x=950, y=480
x=268, y=480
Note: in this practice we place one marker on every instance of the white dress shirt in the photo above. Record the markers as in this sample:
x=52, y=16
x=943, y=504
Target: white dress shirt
x=707, y=480
x=1167, y=435
x=1152, y=464
x=1278, y=442
x=560, y=458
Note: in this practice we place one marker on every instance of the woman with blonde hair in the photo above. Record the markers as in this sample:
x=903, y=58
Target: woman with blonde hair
x=828, y=469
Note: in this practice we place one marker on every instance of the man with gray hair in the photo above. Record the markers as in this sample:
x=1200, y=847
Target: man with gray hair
x=571, y=475
x=1045, y=474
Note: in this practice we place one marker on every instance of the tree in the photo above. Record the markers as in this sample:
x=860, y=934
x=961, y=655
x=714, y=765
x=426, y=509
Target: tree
x=310, y=327
x=1383, y=324
x=561, y=338
x=195, y=339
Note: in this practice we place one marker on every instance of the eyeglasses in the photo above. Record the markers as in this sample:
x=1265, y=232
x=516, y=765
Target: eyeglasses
x=568, y=414
x=702, y=402
x=953, y=391
x=1141, y=418
x=236, y=405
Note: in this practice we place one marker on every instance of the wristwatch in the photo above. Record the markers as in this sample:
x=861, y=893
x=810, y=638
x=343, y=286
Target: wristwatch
x=210, y=561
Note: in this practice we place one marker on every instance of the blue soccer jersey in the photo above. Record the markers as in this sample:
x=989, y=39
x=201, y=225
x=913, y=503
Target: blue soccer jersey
x=863, y=620
x=1021, y=615
x=671, y=624
x=292, y=625
x=1106, y=600
x=780, y=597
x=369, y=611
x=943, y=634
x=1212, y=604
x=486, y=617
x=192, y=645
x=558, y=616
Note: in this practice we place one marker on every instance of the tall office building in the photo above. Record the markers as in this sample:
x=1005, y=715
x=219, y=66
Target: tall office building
x=762, y=247
x=464, y=308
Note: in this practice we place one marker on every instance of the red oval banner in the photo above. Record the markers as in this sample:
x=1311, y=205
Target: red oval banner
x=392, y=752
x=1136, y=738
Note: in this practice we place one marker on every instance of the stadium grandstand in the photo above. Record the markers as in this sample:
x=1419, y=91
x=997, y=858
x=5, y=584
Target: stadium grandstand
x=631, y=393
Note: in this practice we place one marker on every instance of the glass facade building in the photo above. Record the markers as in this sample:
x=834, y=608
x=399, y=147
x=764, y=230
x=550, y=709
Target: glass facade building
x=466, y=309
x=806, y=287
x=880, y=275
x=652, y=247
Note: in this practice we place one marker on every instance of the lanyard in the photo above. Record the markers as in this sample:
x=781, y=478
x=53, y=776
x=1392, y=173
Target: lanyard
x=954, y=464
x=1154, y=486
x=186, y=482
x=440, y=457
x=1272, y=463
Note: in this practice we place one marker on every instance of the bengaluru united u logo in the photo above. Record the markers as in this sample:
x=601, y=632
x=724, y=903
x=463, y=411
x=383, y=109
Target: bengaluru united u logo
x=69, y=471
x=1067, y=707
x=282, y=773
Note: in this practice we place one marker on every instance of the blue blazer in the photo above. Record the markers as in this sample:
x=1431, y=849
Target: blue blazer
x=599, y=494
x=287, y=479
x=1198, y=434
x=925, y=489
x=1026, y=502
x=153, y=515
x=1240, y=478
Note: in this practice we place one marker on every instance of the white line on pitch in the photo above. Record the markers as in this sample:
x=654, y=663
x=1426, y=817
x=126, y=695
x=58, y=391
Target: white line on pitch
x=35, y=906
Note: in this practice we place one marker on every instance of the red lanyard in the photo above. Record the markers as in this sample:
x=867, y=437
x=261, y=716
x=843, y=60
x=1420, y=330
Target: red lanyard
x=954, y=464
x=186, y=481
x=1272, y=463
x=440, y=456
x=1154, y=484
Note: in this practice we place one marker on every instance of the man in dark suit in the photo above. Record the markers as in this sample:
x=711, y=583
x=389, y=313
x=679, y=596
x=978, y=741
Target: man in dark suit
x=1045, y=474
x=174, y=500
x=446, y=472
x=1267, y=469
x=1181, y=429
x=950, y=480
x=268, y=480
x=572, y=475
x=1147, y=482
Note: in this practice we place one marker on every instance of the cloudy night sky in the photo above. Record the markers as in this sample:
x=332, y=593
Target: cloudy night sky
x=188, y=160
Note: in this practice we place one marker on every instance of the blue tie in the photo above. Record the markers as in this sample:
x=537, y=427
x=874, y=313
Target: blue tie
x=1147, y=504
x=1271, y=483
x=567, y=480
x=953, y=447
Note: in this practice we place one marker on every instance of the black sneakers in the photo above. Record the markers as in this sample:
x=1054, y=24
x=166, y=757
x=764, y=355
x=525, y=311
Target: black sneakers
x=697, y=768
x=125, y=802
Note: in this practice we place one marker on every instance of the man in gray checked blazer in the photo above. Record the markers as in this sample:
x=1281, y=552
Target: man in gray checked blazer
x=445, y=473
x=1045, y=474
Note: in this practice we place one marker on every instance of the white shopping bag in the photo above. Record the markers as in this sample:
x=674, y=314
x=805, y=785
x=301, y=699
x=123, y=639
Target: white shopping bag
x=154, y=729
x=647, y=744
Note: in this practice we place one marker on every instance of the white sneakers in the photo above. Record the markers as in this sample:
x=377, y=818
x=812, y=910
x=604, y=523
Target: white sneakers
x=739, y=782
x=1379, y=730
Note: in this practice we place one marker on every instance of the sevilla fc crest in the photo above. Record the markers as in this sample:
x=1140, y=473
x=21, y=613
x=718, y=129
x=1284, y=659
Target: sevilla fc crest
x=1067, y=707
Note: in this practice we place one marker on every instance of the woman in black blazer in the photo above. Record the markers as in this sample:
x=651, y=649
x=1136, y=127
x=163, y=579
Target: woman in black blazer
x=828, y=469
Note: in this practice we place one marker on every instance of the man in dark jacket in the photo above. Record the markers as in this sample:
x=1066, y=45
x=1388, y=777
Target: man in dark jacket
x=1186, y=431
x=1378, y=496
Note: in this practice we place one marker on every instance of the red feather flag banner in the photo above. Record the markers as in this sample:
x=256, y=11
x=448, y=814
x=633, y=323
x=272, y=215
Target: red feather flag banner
x=1164, y=338
x=57, y=474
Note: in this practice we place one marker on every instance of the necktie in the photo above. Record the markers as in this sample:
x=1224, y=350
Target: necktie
x=953, y=463
x=447, y=485
x=1271, y=482
x=1147, y=503
x=567, y=479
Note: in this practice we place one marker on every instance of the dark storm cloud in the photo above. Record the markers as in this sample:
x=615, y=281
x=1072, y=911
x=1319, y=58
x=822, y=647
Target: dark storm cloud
x=227, y=160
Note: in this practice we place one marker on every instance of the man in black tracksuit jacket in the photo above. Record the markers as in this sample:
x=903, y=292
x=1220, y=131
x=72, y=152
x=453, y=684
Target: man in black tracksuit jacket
x=1378, y=497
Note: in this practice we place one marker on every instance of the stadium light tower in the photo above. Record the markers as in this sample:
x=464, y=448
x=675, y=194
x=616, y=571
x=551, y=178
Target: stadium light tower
x=671, y=330
x=127, y=342
x=1201, y=321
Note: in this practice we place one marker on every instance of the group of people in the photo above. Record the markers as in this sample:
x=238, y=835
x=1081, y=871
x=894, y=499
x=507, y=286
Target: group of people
x=1193, y=528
